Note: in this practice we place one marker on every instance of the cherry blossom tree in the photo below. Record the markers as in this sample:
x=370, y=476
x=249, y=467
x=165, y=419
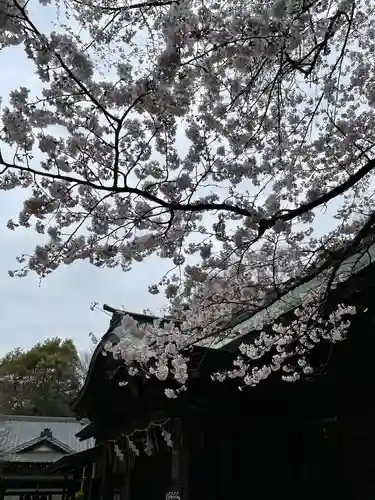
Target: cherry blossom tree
x=212, y=134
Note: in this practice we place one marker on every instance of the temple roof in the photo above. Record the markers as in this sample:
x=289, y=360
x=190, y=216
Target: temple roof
x=353, y=264
x=39, y=439
x=356, y=274
x=247, y=321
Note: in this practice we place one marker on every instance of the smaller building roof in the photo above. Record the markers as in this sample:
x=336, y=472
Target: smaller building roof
x=39, y=439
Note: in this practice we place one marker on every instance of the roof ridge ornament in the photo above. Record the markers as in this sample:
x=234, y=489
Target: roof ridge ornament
x=46, y=432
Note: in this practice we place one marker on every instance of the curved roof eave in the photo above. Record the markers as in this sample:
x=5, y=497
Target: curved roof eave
x=110, y=335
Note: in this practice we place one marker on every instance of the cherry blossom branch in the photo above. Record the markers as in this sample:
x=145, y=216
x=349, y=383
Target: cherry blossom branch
x=284, y=215
x=139, y=5
x=69, y=72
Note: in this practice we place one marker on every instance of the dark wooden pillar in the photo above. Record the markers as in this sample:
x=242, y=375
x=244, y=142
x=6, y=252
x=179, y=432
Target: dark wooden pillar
x=151, y=475
x=356, y=414
x=123, y=472
x=225, y=467
x=179, y=462
x=184, y=464
x=203, y=459
x=91, y=479
x=106, y=490
x=63, y=494
x=358, y=448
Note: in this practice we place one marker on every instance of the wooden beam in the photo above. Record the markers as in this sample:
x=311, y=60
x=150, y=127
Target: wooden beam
x=106, y=472
x=92, y=476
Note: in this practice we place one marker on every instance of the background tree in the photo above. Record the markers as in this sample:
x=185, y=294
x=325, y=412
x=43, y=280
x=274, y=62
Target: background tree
x=227, y=131
x=84, y=363
x=41, y=381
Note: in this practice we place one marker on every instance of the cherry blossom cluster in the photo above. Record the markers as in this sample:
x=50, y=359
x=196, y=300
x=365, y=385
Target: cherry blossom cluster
x=287, y=347
x=161, y=350
x=212, y=135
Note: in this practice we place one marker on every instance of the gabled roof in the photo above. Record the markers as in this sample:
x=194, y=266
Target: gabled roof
x=42, y=449
x=21, y=438
x=35, y=443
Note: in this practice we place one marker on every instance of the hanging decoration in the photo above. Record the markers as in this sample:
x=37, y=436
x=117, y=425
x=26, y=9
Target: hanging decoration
x=142, y=439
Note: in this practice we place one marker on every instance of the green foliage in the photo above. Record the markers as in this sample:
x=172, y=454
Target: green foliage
x=41, y=381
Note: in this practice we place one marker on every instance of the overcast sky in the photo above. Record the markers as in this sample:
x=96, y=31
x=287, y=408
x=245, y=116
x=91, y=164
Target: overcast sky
x=59, y=306
x=30, y=313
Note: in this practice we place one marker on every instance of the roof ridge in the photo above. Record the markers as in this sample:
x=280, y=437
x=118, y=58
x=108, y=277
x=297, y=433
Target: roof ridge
x=140, y=317
x=38, y=418
x=122, y=312
x=53, y=441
